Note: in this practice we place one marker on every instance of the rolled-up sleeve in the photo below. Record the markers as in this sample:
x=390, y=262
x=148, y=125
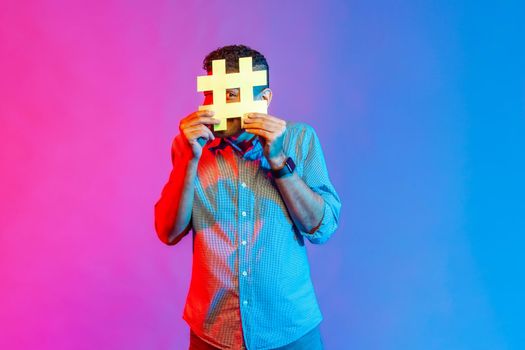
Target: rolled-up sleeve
x=315, y=175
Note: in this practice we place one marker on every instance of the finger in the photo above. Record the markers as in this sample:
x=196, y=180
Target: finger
x=278, y=122
x=200, y=130
x=267, y=124
x=267, y=135
x=197, y=114
x=193, y=132
x=212, y=135
x=270, y=127
x=255, y=115
x=201, y=120
x=205, y=113
x=206, y=131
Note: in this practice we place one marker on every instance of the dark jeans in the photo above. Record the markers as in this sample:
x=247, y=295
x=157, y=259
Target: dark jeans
x=310, y=341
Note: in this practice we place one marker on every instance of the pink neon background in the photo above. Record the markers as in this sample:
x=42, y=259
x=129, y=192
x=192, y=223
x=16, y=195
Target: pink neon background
x=94, y=93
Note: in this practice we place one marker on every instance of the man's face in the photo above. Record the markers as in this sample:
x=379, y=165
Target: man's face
x=232, y=95
x=233, y=125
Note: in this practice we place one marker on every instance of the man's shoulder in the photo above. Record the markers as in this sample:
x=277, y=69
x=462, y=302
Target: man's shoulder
x=299, y=129
x=301, y=139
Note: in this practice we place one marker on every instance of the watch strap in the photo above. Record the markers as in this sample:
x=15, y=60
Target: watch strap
x=287, y=168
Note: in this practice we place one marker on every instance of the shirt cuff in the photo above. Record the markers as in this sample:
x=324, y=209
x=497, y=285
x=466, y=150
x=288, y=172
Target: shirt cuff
x=313, y=230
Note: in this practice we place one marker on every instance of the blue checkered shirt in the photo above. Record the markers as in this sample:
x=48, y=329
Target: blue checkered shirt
x=250, y=284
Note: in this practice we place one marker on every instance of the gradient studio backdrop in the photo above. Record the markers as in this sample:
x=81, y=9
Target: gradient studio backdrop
x=419, y=106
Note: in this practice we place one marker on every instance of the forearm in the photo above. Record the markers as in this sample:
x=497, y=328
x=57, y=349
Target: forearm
x=173, y=210
x=304, y=205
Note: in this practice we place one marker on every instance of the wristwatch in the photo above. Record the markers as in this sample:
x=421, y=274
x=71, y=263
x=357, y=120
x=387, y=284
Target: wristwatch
x=287, y=168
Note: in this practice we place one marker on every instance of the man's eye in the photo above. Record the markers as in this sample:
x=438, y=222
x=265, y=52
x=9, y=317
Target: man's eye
x=232, y=92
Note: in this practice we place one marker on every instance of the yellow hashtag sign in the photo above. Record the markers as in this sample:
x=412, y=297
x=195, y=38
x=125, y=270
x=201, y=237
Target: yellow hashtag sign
x=219, y=82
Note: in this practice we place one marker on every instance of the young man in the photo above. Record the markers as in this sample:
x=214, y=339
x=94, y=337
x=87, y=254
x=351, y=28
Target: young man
x=251, y=196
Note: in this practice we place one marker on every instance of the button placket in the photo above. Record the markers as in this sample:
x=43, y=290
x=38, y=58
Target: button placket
x=244, y=229
x=246, y=202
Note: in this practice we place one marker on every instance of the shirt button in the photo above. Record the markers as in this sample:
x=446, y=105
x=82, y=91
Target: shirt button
x=244, y=273
x=243, y=242
x=243, y=184
x=245, y=302
x=243, y=213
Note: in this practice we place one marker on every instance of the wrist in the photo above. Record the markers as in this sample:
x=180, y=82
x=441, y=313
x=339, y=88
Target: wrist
x=285, y=170
x=277, y=162
x=193, y=161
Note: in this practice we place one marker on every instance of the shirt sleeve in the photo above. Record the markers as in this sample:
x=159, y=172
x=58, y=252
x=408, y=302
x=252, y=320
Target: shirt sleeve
x=165, y=207
x=315, y=175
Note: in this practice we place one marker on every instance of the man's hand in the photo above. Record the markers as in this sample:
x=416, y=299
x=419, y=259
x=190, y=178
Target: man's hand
x=271, y=130
x=194, y=126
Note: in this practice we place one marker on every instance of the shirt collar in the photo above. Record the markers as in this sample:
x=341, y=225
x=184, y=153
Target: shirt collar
x=242, y=147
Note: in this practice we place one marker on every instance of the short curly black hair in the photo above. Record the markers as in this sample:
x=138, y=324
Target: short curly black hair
x=232, y=53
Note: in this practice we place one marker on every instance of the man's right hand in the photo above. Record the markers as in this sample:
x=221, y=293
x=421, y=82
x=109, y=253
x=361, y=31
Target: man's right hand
x=194, y=126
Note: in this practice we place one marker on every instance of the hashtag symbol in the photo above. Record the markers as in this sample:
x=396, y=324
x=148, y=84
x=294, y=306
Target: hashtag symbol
x=219, y=82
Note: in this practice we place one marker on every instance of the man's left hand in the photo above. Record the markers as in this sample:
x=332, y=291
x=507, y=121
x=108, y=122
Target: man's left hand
x=271, y=130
